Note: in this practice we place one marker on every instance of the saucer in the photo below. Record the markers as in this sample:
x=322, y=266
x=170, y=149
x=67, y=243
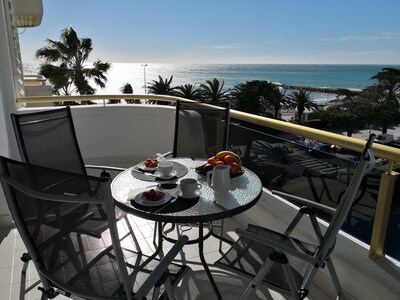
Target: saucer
x=195, y=195
x=137, y=196
x=169, y=176
x=142, y=166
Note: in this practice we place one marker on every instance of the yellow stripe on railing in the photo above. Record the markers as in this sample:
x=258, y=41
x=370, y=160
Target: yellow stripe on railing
x=389, y=153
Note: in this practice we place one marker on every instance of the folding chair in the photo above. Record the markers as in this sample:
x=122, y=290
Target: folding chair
x=84, y=267
x=48, y=139
x=288, y=264
x=201, y=131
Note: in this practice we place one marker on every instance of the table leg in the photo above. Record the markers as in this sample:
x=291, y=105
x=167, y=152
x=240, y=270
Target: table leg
x=203, y=261
x=159, y=244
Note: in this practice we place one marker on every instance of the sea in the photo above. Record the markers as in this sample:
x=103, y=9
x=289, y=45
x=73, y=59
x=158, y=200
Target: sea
x=311, y=75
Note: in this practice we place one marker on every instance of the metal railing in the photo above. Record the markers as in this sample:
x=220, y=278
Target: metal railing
x=390, y=154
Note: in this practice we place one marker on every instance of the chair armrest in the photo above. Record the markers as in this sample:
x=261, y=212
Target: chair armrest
x=67, y=230
x=305, y=202
x=104, y=168
x=167, y=153
x=155, y=275
x=276, y=245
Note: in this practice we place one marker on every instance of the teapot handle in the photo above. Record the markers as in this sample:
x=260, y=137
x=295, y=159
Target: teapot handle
x=208, y=178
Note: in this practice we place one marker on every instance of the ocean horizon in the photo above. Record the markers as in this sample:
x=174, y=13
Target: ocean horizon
x=310, y=75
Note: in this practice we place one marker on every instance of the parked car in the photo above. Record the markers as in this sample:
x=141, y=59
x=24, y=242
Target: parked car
x=384, y=139
x=319, y=150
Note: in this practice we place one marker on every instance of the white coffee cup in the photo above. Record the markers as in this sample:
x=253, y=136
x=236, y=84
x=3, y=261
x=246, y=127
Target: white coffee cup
x=165, y=168
x=189, y=187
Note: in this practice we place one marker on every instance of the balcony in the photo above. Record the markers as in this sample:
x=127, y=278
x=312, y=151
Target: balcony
x=124, y=135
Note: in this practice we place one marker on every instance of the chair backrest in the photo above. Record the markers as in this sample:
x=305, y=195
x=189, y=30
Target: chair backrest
x=201, y=129
x=48, y=139
x=46, y=209
x=347, y=200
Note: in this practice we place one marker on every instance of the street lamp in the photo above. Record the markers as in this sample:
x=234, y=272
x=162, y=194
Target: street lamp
x=144, y=77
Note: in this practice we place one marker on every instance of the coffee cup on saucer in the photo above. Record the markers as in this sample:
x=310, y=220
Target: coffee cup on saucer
x=165, y=168
x=189, y=188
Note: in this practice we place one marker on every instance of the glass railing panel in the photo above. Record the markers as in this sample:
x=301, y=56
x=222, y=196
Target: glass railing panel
x=290, y=164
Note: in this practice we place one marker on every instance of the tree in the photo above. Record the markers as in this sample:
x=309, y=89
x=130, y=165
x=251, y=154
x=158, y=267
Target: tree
x=127, y=89
x=257, y=97
x=301, y=100
x=161, y=87
x=188, y=91
x=348, y=111
x=276, y=100
x=337, y=118
x=385, y=98
x=389, y=80
x=384, y=109
x=212, y=91
x=71, y=53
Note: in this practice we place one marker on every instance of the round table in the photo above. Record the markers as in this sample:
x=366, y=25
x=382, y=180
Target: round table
x=244, y=192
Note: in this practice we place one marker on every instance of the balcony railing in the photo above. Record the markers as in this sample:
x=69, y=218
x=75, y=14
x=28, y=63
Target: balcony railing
x=287, y=165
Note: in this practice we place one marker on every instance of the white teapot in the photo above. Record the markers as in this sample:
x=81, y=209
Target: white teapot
x=219, y=179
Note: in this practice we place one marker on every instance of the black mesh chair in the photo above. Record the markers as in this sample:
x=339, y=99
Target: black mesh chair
x=285, y=263
x=201, y=130
x=48, y=139
x=46, y=217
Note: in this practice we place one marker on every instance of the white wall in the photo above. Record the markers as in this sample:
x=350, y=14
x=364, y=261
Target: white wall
x=121, y=133
x=124, y=133
x=8, y=145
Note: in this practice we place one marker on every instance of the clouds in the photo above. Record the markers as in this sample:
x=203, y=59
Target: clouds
x=215, y=47
x=351, y=38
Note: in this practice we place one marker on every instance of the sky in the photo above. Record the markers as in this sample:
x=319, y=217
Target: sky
x=226, y=31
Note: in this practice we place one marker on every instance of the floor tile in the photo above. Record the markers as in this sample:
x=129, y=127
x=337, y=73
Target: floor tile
x=195, y=284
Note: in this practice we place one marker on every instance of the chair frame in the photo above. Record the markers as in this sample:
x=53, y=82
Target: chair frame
x=51, y=286
x=180, y=105
x=47, y=115
x=16, y=121
x=326, y=242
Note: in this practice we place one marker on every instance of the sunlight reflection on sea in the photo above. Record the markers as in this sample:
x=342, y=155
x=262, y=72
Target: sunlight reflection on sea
x=136, y=74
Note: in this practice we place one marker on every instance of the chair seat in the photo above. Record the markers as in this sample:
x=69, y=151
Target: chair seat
x=247, y=256
x=95, y=271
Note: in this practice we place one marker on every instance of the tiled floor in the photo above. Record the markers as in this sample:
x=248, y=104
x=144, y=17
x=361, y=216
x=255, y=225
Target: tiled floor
x=195, y=284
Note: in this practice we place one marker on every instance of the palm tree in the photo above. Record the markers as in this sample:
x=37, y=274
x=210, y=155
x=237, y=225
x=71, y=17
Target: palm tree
x=212, y=91
x=257, y=97
x=276, y=100
x=71, y=53
x=161, y=87
x=188, y=91
x=301, y=100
